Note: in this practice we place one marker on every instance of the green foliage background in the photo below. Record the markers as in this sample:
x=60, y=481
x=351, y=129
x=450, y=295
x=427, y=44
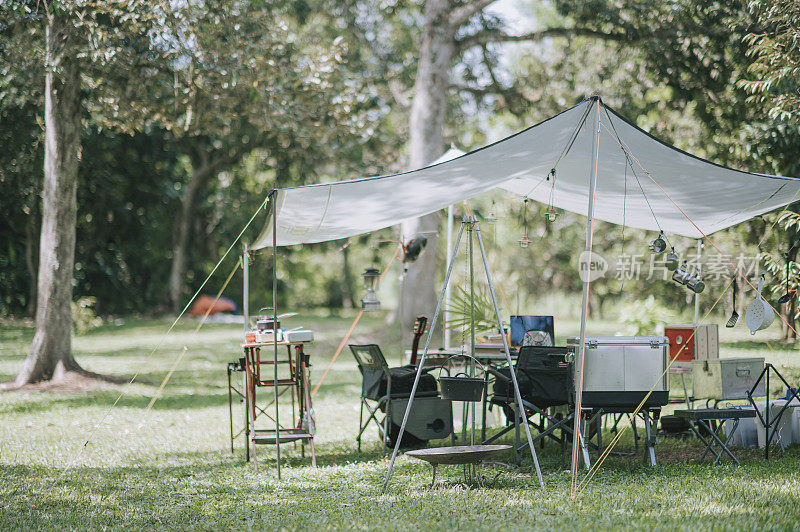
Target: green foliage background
x=682, y=70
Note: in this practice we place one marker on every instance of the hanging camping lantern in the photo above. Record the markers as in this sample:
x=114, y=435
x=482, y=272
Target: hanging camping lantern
x=759, y=314
x=672, y=261
x=371, y=278
x=551, y=214
x=491, y=217
x=524, y=241
x=659, y=245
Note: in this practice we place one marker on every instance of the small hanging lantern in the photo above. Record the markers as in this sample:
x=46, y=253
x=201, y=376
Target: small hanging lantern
x=551, y=214
x=491, y=217
x=659, y=245
x=371, y=278
x=524, y=241
x=672, y=261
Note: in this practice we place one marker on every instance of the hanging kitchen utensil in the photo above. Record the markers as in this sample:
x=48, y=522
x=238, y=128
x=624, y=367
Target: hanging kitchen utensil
x=785, y=298
x=672, y=261
x=734, y=315
x=759, y=314
x=659, y=245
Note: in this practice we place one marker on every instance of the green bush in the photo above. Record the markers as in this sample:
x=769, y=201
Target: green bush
x=645, y=318
x=84, y=318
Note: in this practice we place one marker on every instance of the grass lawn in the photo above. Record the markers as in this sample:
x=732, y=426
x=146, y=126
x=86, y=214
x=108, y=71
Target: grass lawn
x=172, y=466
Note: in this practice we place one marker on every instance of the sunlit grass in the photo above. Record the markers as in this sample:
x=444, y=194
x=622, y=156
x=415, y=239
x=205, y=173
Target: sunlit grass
x=172, y=466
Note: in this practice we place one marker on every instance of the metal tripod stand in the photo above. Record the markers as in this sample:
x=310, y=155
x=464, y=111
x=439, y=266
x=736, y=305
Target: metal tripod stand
x=472, y=224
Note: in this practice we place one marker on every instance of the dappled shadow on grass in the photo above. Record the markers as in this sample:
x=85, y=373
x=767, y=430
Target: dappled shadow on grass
x=107, y=397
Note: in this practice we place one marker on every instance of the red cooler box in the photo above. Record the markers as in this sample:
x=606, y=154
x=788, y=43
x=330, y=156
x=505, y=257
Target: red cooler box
x=702, y=346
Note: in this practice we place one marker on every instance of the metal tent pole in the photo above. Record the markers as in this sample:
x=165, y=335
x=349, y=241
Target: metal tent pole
x=246, y=288
x=422, y=359
x=446, y=329
x=585, y=295
x=517, y=396
x=274, y=328
x=471, y=405
x=696, y=295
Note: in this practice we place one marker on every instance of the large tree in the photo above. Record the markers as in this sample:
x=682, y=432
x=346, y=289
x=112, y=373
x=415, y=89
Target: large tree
x=51, y=354
x=75, y=34
x=775, y=50
x=231, y=78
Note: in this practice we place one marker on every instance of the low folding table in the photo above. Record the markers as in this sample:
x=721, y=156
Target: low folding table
x=706, y=417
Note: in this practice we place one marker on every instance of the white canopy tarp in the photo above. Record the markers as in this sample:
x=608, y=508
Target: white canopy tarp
x=712, y=196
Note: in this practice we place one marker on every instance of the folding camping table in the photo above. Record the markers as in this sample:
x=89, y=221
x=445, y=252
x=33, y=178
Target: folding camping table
x=295, y=381
x=706, y=417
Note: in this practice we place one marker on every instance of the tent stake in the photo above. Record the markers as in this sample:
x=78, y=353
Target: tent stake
x=585, y=300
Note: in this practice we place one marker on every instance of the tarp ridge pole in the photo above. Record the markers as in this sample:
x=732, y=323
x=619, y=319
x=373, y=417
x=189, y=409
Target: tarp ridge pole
x=422, y=359
x=517, y=396
x=584, y=301
x=275, y=329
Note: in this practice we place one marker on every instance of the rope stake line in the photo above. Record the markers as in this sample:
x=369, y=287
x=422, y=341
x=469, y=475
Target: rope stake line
x=128, y=385
x=186, y=348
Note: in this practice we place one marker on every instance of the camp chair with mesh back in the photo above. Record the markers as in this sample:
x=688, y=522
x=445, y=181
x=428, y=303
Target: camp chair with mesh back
x=544, y=376
x=381, y=384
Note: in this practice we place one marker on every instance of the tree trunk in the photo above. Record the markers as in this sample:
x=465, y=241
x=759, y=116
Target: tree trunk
x=348, y=286
x=201, y=172
x=30, y=264
x=51, y=354
x=426, y=143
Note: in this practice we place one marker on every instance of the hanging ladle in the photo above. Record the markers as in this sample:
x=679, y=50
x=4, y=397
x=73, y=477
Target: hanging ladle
x=785, y=298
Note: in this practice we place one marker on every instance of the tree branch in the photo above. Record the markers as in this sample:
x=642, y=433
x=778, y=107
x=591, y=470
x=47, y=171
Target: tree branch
x=483, y=37
x=464, y=13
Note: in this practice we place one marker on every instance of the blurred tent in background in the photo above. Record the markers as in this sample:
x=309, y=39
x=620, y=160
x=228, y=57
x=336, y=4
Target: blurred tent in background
x=205, y=302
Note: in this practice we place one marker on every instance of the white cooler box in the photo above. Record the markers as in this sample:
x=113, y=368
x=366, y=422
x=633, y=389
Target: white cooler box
x=619, y=370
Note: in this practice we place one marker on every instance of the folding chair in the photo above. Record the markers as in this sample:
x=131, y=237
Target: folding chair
x=544, y=378
x=381, y=384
